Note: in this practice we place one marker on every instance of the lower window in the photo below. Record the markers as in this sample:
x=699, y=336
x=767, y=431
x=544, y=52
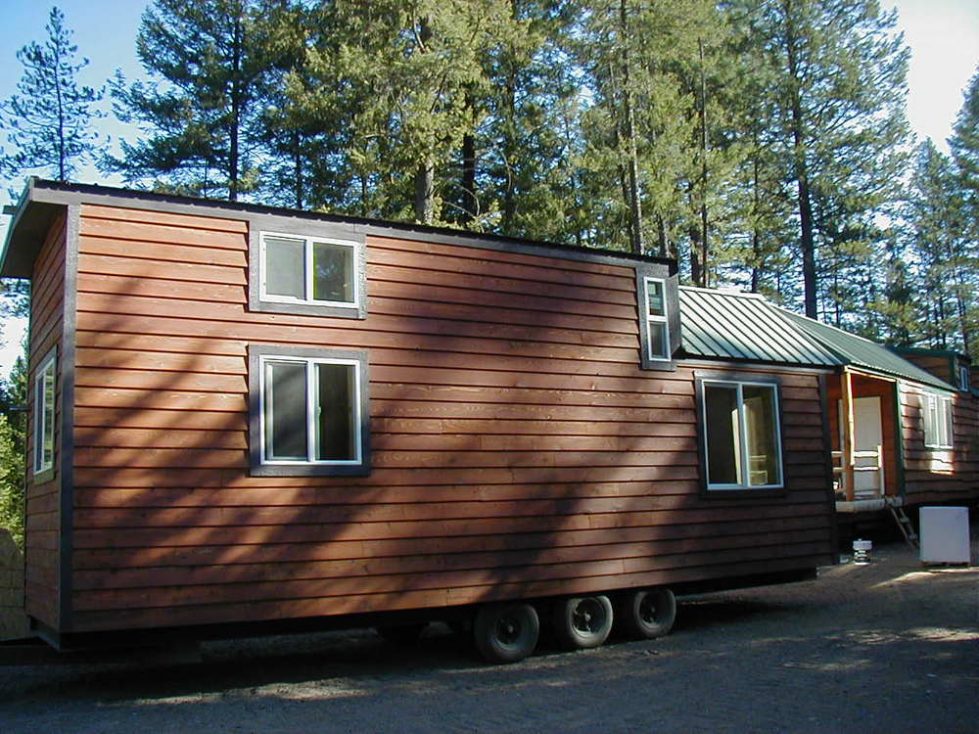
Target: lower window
x=309, y=411
x=741, y=435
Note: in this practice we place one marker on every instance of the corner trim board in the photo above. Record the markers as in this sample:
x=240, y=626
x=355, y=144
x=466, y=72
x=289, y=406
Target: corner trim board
x=67, y=457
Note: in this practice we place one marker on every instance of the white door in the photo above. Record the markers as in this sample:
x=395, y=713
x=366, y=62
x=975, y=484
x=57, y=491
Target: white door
x=868, y=441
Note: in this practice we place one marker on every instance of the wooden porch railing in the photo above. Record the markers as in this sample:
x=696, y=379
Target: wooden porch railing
x=840, y=474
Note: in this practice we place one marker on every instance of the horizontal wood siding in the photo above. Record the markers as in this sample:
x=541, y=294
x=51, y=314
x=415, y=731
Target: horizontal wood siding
x=940, y=475
x=43, y=508
x=518, y=450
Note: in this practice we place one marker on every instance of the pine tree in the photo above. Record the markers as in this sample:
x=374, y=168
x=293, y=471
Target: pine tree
x=964, y=144
x=48, y=120
x=199, y=109
x=13, y=448
x=935, y=215
x=840, y=90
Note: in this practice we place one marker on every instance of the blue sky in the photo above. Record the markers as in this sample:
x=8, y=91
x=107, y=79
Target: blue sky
x=943, y=36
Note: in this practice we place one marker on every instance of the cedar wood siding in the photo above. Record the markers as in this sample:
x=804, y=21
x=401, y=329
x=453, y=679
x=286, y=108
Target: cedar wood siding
x=517, y=448
x=43, y=499
x=933, y=475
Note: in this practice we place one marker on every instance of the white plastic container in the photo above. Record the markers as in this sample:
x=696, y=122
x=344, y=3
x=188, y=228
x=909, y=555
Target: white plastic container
x=944, y=534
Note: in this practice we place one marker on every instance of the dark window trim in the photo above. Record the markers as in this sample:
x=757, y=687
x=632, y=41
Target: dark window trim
x=255, y=437
x=309, y=229
x=702, y=376
x=44, y=473
x=671, y=295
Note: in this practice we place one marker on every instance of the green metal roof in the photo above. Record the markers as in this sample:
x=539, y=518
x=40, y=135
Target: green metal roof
x=744, y=327
x=861, y=352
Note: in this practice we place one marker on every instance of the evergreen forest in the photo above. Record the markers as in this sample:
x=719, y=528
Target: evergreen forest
x=761, y=143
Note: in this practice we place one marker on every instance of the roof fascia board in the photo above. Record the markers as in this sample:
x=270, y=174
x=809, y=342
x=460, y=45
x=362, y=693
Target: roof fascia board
x=748, y=364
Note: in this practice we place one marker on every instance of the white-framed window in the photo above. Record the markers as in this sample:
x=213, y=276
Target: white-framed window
x=44, y=397
x=937, y=411
x=316, y=271
x=964, y=382
x=657, y=321
x=309, y=411
x=741, y=434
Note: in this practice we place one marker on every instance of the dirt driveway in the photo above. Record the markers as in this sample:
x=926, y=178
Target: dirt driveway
x=889, y=647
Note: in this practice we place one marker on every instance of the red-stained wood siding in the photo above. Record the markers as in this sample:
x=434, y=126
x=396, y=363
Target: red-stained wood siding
x=43, y=499
x=933, y=475
x=518, y=449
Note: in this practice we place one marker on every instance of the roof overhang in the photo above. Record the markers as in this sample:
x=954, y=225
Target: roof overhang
x=29, y=225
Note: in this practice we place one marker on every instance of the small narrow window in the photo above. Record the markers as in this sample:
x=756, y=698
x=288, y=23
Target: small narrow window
x=308, y=270
x=964, y=378
x=741, y=434
x=937, y=415
x=44, y=397
x=657, y=319
x=310, y=412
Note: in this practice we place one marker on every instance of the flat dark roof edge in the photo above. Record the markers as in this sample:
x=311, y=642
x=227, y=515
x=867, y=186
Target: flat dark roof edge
x=37, y=188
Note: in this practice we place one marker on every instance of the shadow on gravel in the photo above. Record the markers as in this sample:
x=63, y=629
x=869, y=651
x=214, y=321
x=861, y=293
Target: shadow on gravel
x=704, y=613
x=244, y=664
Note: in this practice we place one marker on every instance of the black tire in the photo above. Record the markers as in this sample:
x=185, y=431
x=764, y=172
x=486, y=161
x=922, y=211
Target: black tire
x=647, y=613
x=402, y=634
x=506, y=633
x=583, y=622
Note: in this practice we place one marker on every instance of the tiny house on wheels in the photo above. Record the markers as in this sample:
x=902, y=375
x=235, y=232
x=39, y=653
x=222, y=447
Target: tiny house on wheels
x=248, y=419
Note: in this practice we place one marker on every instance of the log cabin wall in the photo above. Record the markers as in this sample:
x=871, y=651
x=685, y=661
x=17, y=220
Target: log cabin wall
x=43, y=491
x=935, y=475
x=518, y=450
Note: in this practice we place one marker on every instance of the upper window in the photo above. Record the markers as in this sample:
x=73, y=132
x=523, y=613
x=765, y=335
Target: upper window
x=741, y=435
x=964, y=378
x=657, y=319
x=44, y=396
x=938, y=421
x=309, y=270
x=311, y=411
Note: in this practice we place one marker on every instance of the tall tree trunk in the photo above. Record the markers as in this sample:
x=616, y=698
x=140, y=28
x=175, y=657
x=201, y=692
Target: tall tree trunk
x=756, y=265
x=425, y=192
x=634, y=199
x=235, y=122
x=470, y=204
x=509, y=145
x=62, y=153
x=297, y=169
x=807, y=243
x=696, y=243
x=704, y=244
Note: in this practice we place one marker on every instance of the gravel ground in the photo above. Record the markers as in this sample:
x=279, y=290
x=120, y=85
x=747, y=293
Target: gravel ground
x=891, y=646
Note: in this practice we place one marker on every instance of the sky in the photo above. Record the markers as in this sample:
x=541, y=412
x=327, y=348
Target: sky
x=943, y=36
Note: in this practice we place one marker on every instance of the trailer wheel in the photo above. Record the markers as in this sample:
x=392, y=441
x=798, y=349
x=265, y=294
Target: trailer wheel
x=648, y=613
x=506, y=633
x=402, y=634
x=583, y=622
